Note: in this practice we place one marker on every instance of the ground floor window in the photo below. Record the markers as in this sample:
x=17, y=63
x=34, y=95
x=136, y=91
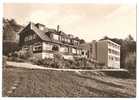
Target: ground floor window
x=37, y=48
x=55, y=48
x=73, y=50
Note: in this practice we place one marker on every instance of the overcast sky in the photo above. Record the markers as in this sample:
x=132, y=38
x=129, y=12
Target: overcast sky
x=87, y=21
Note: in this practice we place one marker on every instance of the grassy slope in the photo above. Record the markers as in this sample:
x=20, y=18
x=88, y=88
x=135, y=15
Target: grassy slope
x=70, y=84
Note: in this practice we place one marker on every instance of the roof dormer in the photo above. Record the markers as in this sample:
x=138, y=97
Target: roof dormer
x=40, y=26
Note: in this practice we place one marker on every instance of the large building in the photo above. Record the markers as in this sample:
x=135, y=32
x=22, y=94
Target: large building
x=108, y=53
x=44, y=42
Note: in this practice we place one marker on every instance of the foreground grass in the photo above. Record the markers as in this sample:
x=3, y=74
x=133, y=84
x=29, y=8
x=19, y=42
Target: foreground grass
x=48, y=83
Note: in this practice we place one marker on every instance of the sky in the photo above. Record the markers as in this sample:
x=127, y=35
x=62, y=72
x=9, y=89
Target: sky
x=87, y=21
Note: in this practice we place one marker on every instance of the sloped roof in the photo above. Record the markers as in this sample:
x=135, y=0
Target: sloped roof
x=40, y=33
x=85, y=46
x=43, y=33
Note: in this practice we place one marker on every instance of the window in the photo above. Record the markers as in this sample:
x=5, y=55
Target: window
x=82, y=53
x=55, y=36
x=41, y=27
x=68, y=40
x=73, y=50
x=25, y=48
x=110, y=58
x=109, y=50
x=55, y=48
x=78, y=51
x=117, y=59
x=62, y=39
x=34, y=36
x=47, y=46
x=66, y=49
x=37, y=48
x=75, y=42
x=26, y=38
x=30, y=37
x=62, y=49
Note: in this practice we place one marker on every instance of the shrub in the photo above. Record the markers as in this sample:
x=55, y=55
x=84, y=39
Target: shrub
x=4, y=61
x=24, y=54
x=17, y=59
x=55, y=65
x=46, y=62
x=130, y=63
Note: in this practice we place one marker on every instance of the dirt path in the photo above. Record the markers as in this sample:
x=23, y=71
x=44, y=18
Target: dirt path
x=31, y=66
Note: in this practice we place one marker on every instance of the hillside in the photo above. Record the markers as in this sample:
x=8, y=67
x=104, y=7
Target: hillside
x=47, y=83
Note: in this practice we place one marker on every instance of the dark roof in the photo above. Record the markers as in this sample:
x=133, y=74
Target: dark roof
x=43, y=33
x=40, y=33
x=64, y=34
x=51, y=30
x=85, y=46
x=39, y=24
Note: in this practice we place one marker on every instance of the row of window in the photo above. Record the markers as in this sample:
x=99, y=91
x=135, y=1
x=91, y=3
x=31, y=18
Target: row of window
x=64, y=39
x=37, y=48
x=30, y=37
x=113, y=52
x=70, y=50
x=56, y=37
x=113, y=58
x=113, y=45
x=56, y=48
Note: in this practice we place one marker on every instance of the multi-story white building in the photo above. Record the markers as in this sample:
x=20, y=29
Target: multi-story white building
x=108, y=53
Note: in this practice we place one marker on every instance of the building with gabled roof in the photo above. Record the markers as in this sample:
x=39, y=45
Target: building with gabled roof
x=44, y=42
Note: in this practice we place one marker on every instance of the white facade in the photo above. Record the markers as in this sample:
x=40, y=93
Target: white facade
x=55, y=36
x=108, y=53
x=47, y=46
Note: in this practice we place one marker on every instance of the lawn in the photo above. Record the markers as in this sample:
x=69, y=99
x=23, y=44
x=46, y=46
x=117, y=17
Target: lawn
x=48, y=83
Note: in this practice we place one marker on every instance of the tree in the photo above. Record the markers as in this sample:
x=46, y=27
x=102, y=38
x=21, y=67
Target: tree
x=105, y=38
x=130, y=38
x=82, y=41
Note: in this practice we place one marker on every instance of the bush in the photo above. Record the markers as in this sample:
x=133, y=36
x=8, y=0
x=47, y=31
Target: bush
x=58, y=56
x=55, y=65
x=17, y=59
x=4, y=61
x=24, y=54
x=45, y=62
x=130, y=63
x=59, y=62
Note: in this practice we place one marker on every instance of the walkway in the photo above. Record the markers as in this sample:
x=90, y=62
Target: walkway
x=31, y=66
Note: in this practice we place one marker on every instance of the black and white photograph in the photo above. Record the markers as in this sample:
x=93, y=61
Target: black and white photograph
x=69, y=50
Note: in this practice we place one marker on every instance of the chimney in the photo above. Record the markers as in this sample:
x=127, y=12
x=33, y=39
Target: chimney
x=57, y=28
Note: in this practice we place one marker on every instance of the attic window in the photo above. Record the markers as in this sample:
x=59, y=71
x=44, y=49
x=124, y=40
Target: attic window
x=55, y=37
x=41, y=28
